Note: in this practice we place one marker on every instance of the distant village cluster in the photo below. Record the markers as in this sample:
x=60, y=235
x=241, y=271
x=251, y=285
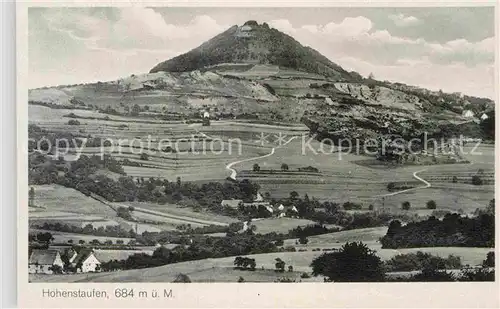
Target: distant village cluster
x=276, y=210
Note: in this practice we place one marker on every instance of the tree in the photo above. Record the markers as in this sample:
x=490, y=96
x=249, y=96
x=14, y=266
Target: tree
x=284, y=167
x=490, y=259
x=290, y=268
x=476, y=180
x=371, y=207
x=44, y=237
x=144, y=156
x=182, y=278
x=56, y=269
x=454, y=179
x=256, y=167
x=303, y=240
x=488, y=125
x=31, y=201
x=431, y=272
x=431, y=204
x=406, y=205
x=354, y=262
x=81, y=241
x=136, y=109
x=279, y=265
x=371, y=76
x=294, y=195
x=241, y=280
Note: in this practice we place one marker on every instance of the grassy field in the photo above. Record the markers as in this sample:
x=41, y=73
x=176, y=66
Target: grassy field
x=56, y=198
x=62, y=237
x=279, y=225
x=220, y=270
x=183, y=214
x=104, y=255
x=198, y=272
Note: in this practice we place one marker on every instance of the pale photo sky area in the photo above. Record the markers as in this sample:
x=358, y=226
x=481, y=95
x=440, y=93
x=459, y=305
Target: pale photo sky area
x=452, y=49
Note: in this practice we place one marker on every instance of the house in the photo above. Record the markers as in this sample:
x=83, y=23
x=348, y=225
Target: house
x=86, y=261
x=231, y=203
x=43, y=261
x=259, y=198
x=484, y=117
x=468, y=113
x=206, y=114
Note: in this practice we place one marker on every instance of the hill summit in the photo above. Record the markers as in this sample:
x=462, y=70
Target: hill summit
x=254, y=43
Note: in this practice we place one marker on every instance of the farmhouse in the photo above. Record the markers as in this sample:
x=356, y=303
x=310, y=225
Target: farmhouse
x=86, y=261
x=484, y=117
x=43, y=261
x=468, y=113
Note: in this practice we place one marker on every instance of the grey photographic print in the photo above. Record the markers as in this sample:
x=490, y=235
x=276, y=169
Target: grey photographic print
x=327, y=144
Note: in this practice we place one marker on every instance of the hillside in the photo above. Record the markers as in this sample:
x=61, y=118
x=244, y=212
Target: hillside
x=253, y=72
x=252, y=43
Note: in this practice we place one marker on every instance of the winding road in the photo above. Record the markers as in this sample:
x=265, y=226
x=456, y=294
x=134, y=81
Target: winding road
x=425, y=182
x=233, y=171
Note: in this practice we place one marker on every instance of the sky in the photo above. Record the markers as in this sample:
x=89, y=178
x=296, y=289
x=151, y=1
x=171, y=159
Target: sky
x=452, y=49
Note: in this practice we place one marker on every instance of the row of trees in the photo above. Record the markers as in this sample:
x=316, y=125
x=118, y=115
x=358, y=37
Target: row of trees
x=355, y=262
x=88, y=229
x=452, y=230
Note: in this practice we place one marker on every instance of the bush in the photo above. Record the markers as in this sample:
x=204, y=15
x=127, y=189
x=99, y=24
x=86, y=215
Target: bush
x=476, y=180
x=351, y=206
x=144, y=157
x=431, y=204
x=73, y=122
x=241, y=279
x=303, y=240
x=490, y=259
x=406, y=205
x=305, y=276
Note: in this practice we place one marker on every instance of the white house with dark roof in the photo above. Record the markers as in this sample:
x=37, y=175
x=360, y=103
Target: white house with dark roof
x=85, y=261
x=468, y=113
x=42, y=261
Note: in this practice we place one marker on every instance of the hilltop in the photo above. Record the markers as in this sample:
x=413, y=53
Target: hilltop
x=252, y=43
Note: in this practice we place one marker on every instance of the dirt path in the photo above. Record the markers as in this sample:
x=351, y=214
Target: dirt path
x=425, y=182
x=233, y=171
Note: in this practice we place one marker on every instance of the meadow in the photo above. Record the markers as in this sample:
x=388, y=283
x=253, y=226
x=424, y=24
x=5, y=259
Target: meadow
x=221, y=269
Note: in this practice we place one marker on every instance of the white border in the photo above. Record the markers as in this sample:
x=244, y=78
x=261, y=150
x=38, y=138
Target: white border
x=349, y=295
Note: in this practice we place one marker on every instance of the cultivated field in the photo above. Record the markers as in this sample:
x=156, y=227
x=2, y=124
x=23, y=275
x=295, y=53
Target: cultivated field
x=56, y=198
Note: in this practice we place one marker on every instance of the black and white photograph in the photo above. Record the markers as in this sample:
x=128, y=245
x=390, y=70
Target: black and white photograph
x=278, y=144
